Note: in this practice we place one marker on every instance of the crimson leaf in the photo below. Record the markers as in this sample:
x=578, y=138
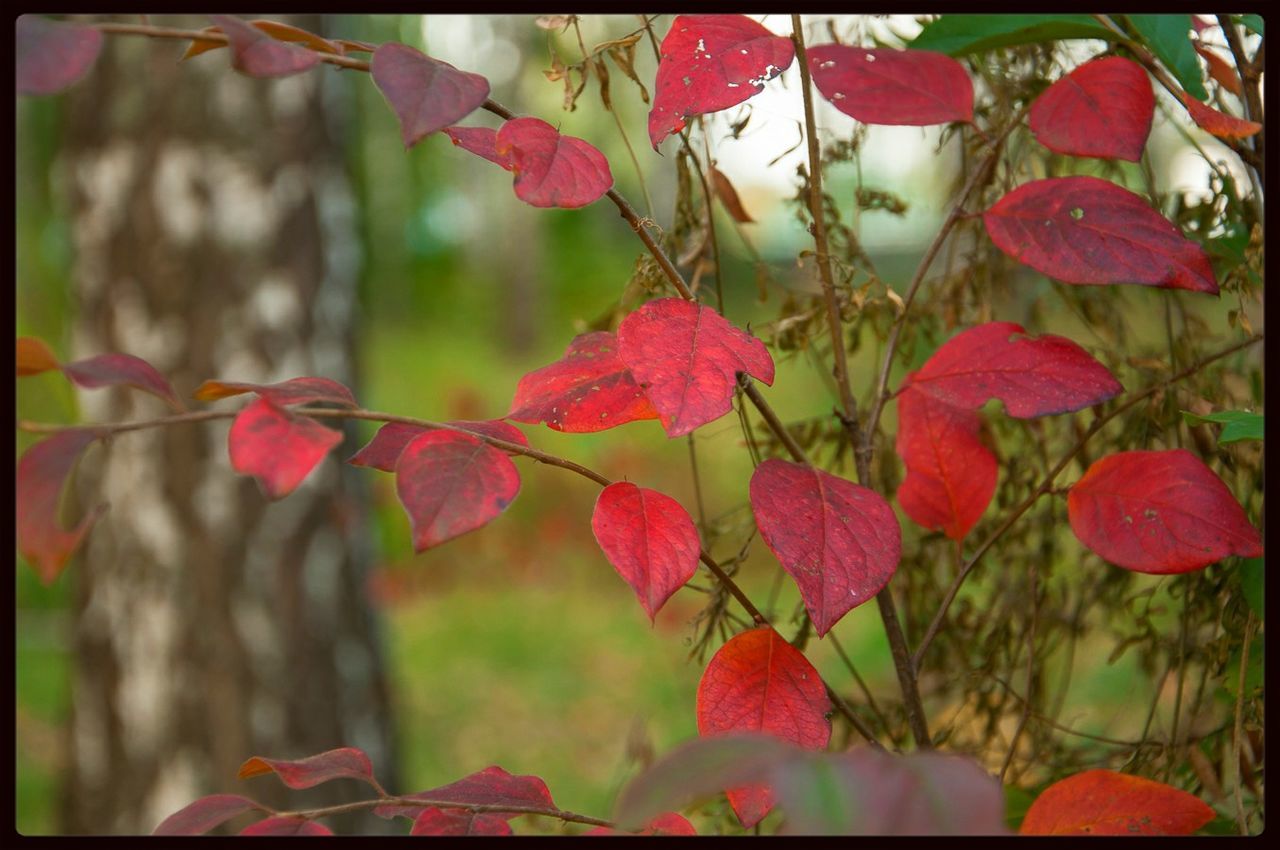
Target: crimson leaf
x=106, y=370
x=276, y=447
x=258, y=55
x=840, y=541
x=1103, y=109
x=286, y=826
x=42, y=475
x=204, y=814
x=492, y=786
x=650, y=540
x=52, y=55
x=1088, y=231
x=383, y=451
x=342, y=763
x=481, y=141
x=884, y=86
x=551, y=170
x=427, y=95
x=459, y=822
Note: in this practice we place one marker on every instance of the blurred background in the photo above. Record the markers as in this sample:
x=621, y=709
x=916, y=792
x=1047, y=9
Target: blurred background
x=253, y=230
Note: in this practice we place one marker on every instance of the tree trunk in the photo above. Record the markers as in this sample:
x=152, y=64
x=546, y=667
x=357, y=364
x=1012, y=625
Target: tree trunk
x=215, y=236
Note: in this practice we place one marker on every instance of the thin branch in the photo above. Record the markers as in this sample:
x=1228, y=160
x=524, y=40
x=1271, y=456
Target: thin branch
x=422, y=803
x=771, y=419
x=1237, y=737
x=1047, y=484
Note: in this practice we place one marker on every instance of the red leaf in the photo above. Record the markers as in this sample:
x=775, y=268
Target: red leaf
x=589, y=389
x=292, y=391
x=885, y=86
x=551, y=170
x=258, y=55
x=106, y=370
x=286, y=826
x=951, y=475
x=709, y=63
x=481, y=141
x=757, y=682
x=840, y=541
x=51, y=55
x=276, y=447
x=42, y=475
x=650, y=540
x=1088, y=231
x=1159, y=512
x=686, y=358
x=275, y=29
x=459, y=822
x=426, y=94
x=451, y=483
x=1218, y=123
x=668, y=823
x=1219, y=68
x=492, y=786
x=1033, y=376
x=204, y=814
x=34, y=356
x=1103, y=802
x=1103, y=109
x=342, y=763
x=384, y=449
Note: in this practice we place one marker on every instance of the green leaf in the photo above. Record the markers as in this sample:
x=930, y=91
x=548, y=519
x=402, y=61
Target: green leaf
x=1240, y=424
x=1252, y=583
x=1253, y=23
x=1169, y=37
x=1253, y=673
x=960, y=34
x=1016, y=802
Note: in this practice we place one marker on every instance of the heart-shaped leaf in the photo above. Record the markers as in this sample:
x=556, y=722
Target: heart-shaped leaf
x=1159, y=512
x=840, y=541
x=709, y=63
x=757, y=682
x=342, y=763
x=1103, y=109
x=257, y=54
x=1088, y=231
x=204, y=814
x=686, y=357
x=1103, y=802
x=285, y=393
x=492, y=786
x=551, y=170
x=951, y=475
x=426, y=94
x=42, y=475
x=52, y=55
x=452, y=483
x=383, y=451
x=276, y=447
x=650, y=540
x=900, y=87
x=589, y=389
x=459, y=822
x=1033, y=376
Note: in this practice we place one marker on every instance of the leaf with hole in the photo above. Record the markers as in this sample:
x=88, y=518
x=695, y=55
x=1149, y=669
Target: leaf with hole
x=426, y=94
x=257, y=54
x=894, y=87
x=276, y=447
x=551, y=170
x=1032, y=375
x=451, y=483
x=1103, y=802
x=650, y=540
x=686, y=357
x=52, y=55
x=951, y=474
x=1103, y=109
x=709, y=63
x=42, y=475
x=1084, y=230
x=589, y=389
x=840, y=541
x=757, y=682
x=1159, y=512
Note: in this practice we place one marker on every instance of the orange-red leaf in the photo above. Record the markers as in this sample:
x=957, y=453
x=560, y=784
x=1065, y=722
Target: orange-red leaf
x=709, y=63
x=650, y=540
x=899, y=87
x=383, y=451
x=342, y=763
x=52, y=55
x=757, y=682
x=589, y=389
x=492, y=786
x=276, y=447
x=284, y=393
x=1218, y=123
x=426, y=94
x=1103, y=802
x=729, y=197
x=204, y=814
x=1219, y=68
x=259, y=55
x=1084, y=230
x=840, y=541
x=551, y=170
x=42, y=474
x=686, y=357
x=34, y=356
x=1103, y=109
x=452, y=483
x=1159, y=512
